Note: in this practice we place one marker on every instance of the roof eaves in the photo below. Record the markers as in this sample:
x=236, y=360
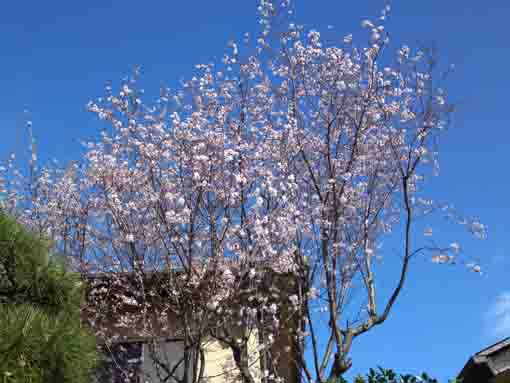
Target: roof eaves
x=494, y=348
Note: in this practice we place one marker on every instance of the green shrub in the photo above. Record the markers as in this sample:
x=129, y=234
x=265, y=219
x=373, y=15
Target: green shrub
x=36, y=347
x=382, y=375
x=41, y=338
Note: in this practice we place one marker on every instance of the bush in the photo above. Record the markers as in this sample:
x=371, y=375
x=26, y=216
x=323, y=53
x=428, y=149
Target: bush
x=382, y=375
x=41, y=338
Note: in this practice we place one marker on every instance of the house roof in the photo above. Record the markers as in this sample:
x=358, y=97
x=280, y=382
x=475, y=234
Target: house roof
x=490, y=362
x=486, y=352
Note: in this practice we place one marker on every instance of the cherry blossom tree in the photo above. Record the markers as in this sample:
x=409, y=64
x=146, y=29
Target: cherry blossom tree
x=295, y=158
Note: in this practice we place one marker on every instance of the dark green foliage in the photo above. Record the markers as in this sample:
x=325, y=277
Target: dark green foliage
x=41, y=338
x=28, y=274
x=382, y=375
x=37, y=347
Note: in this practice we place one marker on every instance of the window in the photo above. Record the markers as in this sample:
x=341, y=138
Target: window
x=163, y=361
x=121, y=363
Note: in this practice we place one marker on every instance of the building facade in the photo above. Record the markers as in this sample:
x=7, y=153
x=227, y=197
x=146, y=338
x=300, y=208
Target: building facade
x=143, y=340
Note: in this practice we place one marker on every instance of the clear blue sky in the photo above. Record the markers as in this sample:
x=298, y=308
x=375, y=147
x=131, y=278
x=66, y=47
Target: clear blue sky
x=56, y=55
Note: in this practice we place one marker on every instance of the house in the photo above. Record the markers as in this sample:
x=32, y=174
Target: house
x=145, y=343
x=491, y=365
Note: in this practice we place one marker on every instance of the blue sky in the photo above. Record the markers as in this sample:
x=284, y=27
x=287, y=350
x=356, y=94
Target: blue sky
x=57, y=55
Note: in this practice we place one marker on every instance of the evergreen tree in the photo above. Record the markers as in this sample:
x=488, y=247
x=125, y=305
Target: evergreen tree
x=41, y=337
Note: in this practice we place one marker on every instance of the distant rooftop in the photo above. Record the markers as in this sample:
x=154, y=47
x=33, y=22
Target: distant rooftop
x=492, y=364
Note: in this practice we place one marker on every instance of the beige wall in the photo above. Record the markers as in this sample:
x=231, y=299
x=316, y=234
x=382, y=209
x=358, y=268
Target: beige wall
x=503, y=378
x=220, y=365
x=219, y=362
